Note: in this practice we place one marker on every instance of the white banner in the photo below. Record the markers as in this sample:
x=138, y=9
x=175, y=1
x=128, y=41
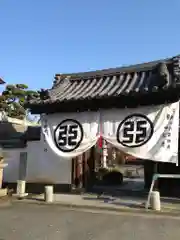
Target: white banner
x=71, y=134
x=147, y=133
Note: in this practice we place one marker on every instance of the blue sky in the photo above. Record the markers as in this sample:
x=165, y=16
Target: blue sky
x=39, y=38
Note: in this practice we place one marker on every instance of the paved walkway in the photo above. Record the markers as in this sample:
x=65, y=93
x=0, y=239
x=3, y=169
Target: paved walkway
x=40, y=222
x=105, y=202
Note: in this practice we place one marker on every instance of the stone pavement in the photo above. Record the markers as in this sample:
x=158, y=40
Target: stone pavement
x=104, y=202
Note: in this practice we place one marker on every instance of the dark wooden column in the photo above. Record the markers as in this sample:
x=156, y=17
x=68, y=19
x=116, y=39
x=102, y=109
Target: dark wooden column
x=91, y=168
x=85, y=169
x=148, y=173
x=80, y=171
x=77, y=172
x=73, y=173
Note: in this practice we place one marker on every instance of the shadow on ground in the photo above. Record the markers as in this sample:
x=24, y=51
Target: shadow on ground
x=133, y=203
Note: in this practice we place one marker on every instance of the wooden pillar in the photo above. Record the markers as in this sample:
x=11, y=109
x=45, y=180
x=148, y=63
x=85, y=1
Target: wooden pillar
x=80, y=170
x=76, y=172
x=84, y=167
x=73, y=173
x=148, y=173
x=91, y=168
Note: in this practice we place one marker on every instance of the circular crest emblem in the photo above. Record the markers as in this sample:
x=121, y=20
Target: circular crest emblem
x=68, y=135
x=134, y=131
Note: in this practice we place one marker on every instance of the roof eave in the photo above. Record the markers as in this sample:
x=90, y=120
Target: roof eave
x=2, y=81
x=112, y=71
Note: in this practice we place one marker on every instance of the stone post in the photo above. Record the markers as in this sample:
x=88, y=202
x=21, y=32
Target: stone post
x=2, y=166
x=3, y=192
x=49, y=194
x=21, y=182
x=155, y=202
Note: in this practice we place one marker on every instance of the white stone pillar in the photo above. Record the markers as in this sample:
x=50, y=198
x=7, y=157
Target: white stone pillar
x=3, y=191
x=49, y=196
x=155, y=202
x=21, y=182
x=2, y=166
x=21, y=186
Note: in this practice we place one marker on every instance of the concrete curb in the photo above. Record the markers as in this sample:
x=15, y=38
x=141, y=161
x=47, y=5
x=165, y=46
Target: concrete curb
x=164, y=212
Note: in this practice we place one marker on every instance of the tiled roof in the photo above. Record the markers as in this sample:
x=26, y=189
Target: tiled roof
x=135, y=80
x=2, y=81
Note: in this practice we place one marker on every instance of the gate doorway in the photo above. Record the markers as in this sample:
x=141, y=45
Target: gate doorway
x=120, y=173
x=83, y=171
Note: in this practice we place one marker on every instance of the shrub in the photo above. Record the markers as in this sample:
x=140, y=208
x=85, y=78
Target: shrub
x=111, y=176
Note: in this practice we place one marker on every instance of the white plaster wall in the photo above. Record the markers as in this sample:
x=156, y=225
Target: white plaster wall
x=46, y=166
x=11, y=172
x=41, y=166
